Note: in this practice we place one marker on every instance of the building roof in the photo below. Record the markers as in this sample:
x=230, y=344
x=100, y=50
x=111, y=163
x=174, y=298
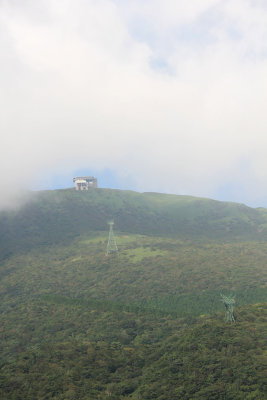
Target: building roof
x=84, y=178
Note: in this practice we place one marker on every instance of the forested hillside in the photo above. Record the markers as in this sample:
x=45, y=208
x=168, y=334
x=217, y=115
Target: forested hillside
x=58, y=216
x=145, y=323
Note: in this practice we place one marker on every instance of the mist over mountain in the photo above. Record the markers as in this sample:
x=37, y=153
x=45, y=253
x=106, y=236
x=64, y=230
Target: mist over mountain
x=169, y=94
x=156, y=97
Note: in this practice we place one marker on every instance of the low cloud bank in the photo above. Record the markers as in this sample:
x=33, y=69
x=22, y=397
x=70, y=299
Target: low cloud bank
x=170, y=94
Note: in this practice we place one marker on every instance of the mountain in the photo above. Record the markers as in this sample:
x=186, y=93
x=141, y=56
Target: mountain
x=61, y=215
x=63, y=351
x=145, y=323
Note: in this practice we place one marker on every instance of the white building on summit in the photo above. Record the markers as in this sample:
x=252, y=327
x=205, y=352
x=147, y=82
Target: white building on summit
x=85, y=182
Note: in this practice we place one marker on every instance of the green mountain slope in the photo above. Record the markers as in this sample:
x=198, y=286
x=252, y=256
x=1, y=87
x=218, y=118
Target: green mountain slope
x=55, y=245
x=170, y=274
x=67, y=351
x=59, y=216
x=146, y=323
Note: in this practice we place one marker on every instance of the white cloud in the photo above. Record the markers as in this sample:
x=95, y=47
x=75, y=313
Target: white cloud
x=78, y=88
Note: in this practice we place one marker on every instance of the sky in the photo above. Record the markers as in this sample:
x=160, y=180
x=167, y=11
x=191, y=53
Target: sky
x=164, y=95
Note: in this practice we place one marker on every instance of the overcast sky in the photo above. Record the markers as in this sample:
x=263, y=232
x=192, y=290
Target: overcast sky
x=152, y=95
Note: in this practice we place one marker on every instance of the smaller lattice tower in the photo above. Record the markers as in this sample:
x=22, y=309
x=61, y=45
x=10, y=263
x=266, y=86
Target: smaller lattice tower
x=112, y=245
x=228, y=304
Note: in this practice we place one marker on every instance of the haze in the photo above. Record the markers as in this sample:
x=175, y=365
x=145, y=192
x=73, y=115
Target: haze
x=168, y=95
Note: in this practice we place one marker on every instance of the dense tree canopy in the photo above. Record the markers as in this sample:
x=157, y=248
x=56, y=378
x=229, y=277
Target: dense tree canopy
x=147, y=323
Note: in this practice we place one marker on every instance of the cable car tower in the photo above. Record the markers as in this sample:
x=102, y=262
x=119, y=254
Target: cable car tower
x=228, y=304
x=112, y=245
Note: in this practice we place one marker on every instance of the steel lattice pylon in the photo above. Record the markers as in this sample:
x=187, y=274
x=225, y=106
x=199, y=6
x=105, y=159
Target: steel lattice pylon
x=112, y=245
x=228, y=303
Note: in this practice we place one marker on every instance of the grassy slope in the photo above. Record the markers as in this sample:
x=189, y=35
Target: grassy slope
x=57, y=247
x=164, y=273
x=59, y=216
